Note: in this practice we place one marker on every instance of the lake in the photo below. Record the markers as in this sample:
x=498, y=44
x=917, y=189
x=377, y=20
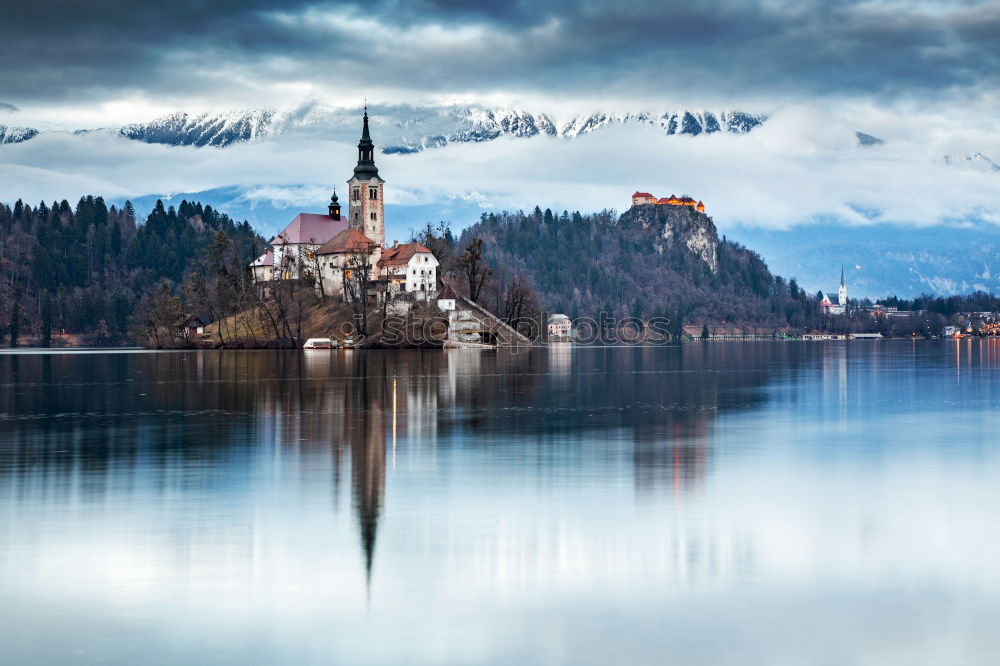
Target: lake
x=716, y=503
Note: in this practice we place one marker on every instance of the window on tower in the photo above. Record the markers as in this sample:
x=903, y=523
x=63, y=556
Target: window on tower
x=373, y=193
x=356, y=193
x=373, y=217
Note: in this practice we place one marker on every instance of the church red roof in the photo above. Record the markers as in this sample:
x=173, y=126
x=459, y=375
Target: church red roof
x=348, y=240
x=310, y=228
x=447, y=293
x=401, y=254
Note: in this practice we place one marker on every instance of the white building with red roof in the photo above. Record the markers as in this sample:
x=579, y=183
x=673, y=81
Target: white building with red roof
x=348, y=251
x=640, y=198
x=409, y=267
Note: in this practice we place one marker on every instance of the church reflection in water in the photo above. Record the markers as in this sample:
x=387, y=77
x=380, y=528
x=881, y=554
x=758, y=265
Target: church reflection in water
x=80, y=424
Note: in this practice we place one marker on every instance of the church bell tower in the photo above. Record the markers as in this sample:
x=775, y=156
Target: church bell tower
x=366, y=191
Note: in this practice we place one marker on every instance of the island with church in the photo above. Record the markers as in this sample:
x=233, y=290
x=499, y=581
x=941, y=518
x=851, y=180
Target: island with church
x=345, y=258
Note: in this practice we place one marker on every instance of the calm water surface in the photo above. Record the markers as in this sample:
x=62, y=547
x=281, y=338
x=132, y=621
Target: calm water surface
x=726, y=503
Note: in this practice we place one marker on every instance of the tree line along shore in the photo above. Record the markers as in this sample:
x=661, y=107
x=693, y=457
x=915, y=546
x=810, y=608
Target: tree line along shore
x=93, y=274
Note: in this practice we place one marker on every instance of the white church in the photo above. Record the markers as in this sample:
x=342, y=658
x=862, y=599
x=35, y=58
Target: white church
x=827, y=306
x=327, y=247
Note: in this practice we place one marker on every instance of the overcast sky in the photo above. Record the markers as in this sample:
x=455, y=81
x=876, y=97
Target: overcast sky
x=126, y=57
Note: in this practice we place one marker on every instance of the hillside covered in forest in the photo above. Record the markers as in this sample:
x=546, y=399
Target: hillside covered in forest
x=651, y=261
x=84, y=269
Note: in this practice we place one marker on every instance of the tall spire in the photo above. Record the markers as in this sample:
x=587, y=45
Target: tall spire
x=842, y=275
x=366, y=169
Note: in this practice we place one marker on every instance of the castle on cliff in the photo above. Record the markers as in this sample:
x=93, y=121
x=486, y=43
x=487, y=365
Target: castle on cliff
x=641, y=198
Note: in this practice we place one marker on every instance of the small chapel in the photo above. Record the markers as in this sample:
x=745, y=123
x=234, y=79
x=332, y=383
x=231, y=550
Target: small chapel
x=327, y=247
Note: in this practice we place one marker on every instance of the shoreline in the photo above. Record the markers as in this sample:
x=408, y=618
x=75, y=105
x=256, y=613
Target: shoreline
x=561, y=345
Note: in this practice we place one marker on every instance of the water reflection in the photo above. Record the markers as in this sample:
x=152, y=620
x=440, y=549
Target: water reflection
x=575, y=481
x=76, y=428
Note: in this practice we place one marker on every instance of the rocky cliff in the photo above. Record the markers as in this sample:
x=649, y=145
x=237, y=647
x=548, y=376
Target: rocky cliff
x=653, y=259
x=678, y=228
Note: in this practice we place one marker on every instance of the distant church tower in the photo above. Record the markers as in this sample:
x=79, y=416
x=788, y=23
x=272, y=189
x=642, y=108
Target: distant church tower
x=366, y=192
x=842, y=291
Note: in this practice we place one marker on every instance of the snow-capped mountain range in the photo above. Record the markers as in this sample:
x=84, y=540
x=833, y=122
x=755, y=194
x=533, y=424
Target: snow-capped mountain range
x=975, y=161
x=16, y=134
x=403, y=128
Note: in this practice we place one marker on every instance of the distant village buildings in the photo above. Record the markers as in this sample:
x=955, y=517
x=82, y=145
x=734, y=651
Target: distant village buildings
x=643, y=198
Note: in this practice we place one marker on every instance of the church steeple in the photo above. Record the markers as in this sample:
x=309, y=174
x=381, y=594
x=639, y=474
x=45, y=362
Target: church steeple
x=334, y=206
x=366, y=191
x=842, y=290
x=366, y=169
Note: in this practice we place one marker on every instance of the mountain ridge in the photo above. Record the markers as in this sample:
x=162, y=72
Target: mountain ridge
x=16, y=134
x=408, y=129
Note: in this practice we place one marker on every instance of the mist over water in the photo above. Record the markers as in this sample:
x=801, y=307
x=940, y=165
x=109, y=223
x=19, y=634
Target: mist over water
x=737, y=503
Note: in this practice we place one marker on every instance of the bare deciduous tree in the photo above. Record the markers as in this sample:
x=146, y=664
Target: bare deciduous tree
x=474, y=267
x=356, y=275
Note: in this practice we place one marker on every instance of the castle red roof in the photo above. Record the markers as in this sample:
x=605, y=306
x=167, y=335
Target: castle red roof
x=348, y=240
x=310, y=228
x=644, y=194
x=401, y=254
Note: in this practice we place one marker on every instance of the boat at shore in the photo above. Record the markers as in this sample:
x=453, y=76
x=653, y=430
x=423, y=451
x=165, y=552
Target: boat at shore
x=331, y=343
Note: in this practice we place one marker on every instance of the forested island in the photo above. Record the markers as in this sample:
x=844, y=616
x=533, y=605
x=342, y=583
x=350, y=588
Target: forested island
x=93, y=274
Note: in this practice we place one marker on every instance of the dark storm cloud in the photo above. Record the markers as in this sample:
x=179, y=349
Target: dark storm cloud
x=74, y=51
